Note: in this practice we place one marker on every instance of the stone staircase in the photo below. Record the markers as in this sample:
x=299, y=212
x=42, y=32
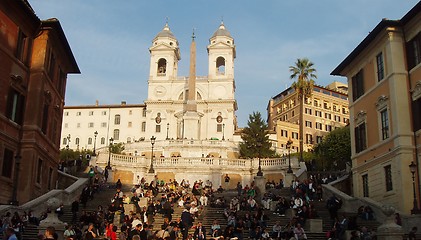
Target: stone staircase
x=208, y=215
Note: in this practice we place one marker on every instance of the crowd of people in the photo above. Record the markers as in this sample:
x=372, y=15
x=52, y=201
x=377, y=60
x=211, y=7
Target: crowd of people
x=246, y=212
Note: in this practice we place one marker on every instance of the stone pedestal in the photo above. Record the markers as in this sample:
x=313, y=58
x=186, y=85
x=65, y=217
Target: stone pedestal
x=315, y=225
x=52, y=221
x=260, y=184
x=288, y=179
x=389, y=230
x=110, y=176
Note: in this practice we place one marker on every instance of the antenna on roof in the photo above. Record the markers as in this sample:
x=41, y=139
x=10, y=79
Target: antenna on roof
x=193, y=36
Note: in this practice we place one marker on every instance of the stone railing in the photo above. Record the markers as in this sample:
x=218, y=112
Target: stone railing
x=130, y=161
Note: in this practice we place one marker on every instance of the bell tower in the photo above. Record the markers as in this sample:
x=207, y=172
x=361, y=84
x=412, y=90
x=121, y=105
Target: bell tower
x=221, y=54
x=165, y=55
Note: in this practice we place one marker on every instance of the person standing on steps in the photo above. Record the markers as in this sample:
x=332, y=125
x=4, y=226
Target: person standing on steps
x=227, y=181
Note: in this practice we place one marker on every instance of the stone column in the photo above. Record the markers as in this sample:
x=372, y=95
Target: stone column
x=52, y=220
x=389, y=230
x=260, y=184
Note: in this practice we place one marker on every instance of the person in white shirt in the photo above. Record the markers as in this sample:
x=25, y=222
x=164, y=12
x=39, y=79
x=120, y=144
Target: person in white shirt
x=203, y=200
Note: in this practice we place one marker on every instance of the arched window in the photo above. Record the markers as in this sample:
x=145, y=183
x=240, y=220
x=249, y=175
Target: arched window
x=102, y=140
x=220, y=66
x=89, y=141
x=117, y=119
x=162, y=67
x=77, y=141
x=116, y=134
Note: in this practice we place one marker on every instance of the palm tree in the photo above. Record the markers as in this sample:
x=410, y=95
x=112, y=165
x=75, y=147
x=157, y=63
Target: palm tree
x=304, y=72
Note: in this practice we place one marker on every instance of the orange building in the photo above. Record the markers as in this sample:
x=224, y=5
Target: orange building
x=384, y=76
x=35, y=60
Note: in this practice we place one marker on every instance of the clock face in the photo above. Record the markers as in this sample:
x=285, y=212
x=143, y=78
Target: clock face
x=160, y=91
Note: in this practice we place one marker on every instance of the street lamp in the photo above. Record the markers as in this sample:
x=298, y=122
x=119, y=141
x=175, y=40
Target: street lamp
x=109, y=153
x=289, y=143
x=413, y=168
x=168, y=127
x=68, y=141
x=259, y=172
x=223, y=131
x=95, y=135
x=151, y=170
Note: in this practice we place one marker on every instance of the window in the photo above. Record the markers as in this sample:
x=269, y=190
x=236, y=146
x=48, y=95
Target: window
x=385, y=124
x=144, y=112
x=328, y=128
x=284, y=133
x=337, y=118
x=309, y=124
x=130, y=112
x=77, y=141
x=8, y=162
x=295, y=135
x=162, y=67
x=416, y=113
x=319, y=126
x=39, y=171
x=78, y=113
x=66, y=125
x=103, y=124
x=102, y=140
x=308, y=111
x=318, y=113
x=328, y=116
x=360, y=138
x=90, y=125
x=64, y=141
x=116, y=134
x=319, y=139
x=117, y=119
x=91, y=113
x=158, y=128
x=129, y=140
x=78, y=125
x=143, y=126
x=15, y=106
x=326, y=105
x=380, y=66
x=316, y=103
x=66, y=114
x=220, y=66
x=413, y=49
x=21, y=46
x=129, y=124
x=89, y=141
x=365, y=185
x=388, y=177
x=309, y=139
x=292, y=113
x=103, y=113
x=346, y=120
x=357, y=85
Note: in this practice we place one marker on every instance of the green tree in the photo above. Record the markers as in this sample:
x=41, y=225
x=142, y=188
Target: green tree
x=255, y=138
x=117, y=148
x=304, y=72
x=334, y=151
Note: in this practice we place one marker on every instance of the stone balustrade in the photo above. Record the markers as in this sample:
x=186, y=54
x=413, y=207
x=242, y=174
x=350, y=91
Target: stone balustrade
x=130, y=161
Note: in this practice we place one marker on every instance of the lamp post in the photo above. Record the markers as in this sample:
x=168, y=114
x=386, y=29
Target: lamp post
x=289, y=143
x=259, y=172
x=109, y=153
x=223, y=131
x=95, y=135
x=151, y=170
x=413, y=168
x=168, y=128
x=68, y=141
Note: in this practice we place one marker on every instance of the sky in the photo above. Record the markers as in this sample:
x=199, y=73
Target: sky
x=110, y=41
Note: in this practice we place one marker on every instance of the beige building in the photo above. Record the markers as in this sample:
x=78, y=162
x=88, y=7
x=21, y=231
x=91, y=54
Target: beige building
x=123, y=122
x=324, y=111
x=384, y=76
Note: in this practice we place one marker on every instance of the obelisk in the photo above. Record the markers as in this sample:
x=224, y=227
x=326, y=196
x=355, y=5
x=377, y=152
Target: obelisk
x=191, y=118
